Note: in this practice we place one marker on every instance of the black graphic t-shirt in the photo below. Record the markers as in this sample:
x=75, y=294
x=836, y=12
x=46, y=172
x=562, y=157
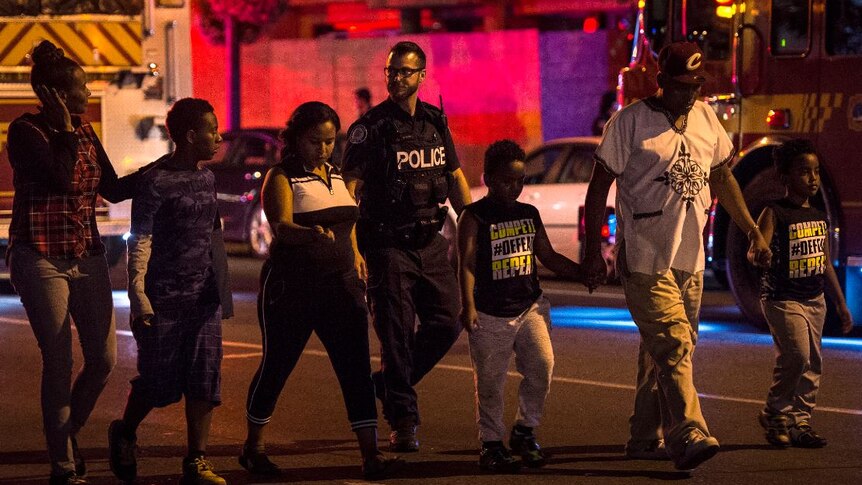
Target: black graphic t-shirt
x=798, y=253
x=506, y=279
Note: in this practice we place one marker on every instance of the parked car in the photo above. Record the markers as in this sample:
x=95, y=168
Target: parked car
x=558, y=173
x=243, y=159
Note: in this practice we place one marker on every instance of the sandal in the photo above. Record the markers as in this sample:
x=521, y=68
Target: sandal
x=257, y=463
x=379, y=467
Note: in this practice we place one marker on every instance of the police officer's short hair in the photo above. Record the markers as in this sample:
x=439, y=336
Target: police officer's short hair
x=186, y=114
x=406, y=47
x=305, y=117
x=784, y=155
x=501, y=153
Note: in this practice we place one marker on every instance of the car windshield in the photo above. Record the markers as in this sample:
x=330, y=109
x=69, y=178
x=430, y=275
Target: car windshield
x=560, y=164
x=540, y=164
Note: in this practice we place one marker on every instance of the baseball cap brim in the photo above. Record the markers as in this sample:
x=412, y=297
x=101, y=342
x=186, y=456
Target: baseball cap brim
x=691, y=78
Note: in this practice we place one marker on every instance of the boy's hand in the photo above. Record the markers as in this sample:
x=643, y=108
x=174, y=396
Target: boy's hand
x=469, y=319
x=846, y=319
x=140, y=322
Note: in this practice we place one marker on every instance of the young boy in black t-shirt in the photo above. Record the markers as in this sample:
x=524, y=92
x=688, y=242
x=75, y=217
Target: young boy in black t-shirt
x=792, y=297
x=499, y=240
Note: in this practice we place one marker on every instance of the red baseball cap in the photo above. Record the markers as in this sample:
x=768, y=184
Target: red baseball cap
x=683, y=62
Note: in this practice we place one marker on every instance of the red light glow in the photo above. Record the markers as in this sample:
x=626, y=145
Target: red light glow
x=591, y=25
x=778, y=118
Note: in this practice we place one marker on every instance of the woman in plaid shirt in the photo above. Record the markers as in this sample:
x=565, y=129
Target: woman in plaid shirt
x=56, y=258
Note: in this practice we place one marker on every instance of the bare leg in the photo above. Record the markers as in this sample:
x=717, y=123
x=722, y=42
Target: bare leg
x=198, y=418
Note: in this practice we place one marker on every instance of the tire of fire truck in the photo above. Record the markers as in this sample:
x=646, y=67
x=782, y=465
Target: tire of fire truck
x=115, y=248
x=259, y=232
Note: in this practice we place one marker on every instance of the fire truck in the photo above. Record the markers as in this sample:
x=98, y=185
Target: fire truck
x=136, y=56
x=780, y=69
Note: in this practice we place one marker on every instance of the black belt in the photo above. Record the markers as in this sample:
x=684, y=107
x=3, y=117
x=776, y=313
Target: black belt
x=412, y=235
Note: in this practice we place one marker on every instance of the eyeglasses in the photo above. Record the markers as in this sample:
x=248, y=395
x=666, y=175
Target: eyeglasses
x=403, y=72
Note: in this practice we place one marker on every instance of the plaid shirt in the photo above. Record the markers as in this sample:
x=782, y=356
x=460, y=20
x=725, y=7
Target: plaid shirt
x=55, y=217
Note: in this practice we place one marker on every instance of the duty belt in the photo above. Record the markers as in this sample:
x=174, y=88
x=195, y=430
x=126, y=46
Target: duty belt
x=413, y=235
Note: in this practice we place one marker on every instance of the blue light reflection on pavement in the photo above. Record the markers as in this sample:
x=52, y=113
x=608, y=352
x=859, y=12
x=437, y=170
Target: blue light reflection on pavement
x=620, y=319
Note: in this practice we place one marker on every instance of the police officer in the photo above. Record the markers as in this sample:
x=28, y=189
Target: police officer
x=401, y=164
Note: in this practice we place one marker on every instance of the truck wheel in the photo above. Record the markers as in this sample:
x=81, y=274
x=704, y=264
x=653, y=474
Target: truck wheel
x=259, y=233
x=743, y=278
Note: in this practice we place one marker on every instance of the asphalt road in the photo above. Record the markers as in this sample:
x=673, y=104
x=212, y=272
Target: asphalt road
x=584, y=429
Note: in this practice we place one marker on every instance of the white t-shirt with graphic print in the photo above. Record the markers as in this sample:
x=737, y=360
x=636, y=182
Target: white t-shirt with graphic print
x=662, y=181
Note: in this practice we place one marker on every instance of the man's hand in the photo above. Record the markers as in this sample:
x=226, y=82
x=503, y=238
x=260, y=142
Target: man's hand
x=469, y=319
x=594, y=271
x=759, y=253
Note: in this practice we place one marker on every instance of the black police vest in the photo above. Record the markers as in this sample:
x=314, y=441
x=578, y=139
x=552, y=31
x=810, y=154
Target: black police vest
x=416, y=177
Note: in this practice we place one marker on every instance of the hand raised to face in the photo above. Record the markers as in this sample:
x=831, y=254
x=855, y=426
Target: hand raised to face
x=54, y=108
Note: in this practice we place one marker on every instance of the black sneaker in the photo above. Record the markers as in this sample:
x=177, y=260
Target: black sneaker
x=403, y=440
x=524, y=444
x=802, y=436
x=199, y=471
x=122, y=452
x=380, y=467
x=775, y=425
x=80, y=466
x=497, y=459
x=68, y=478
x=257, y=463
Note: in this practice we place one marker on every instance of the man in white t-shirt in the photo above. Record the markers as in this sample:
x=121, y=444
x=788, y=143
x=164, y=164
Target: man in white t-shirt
x=665, y=152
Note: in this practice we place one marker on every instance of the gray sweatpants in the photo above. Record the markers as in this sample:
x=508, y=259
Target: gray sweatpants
x=797, y=330
x=491, y=348
x=56, y=292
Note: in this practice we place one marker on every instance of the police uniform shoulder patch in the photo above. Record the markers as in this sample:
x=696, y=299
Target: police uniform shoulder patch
x=358, y=134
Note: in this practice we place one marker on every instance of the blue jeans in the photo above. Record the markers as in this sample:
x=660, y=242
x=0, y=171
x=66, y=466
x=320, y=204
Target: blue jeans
x=56, y=292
